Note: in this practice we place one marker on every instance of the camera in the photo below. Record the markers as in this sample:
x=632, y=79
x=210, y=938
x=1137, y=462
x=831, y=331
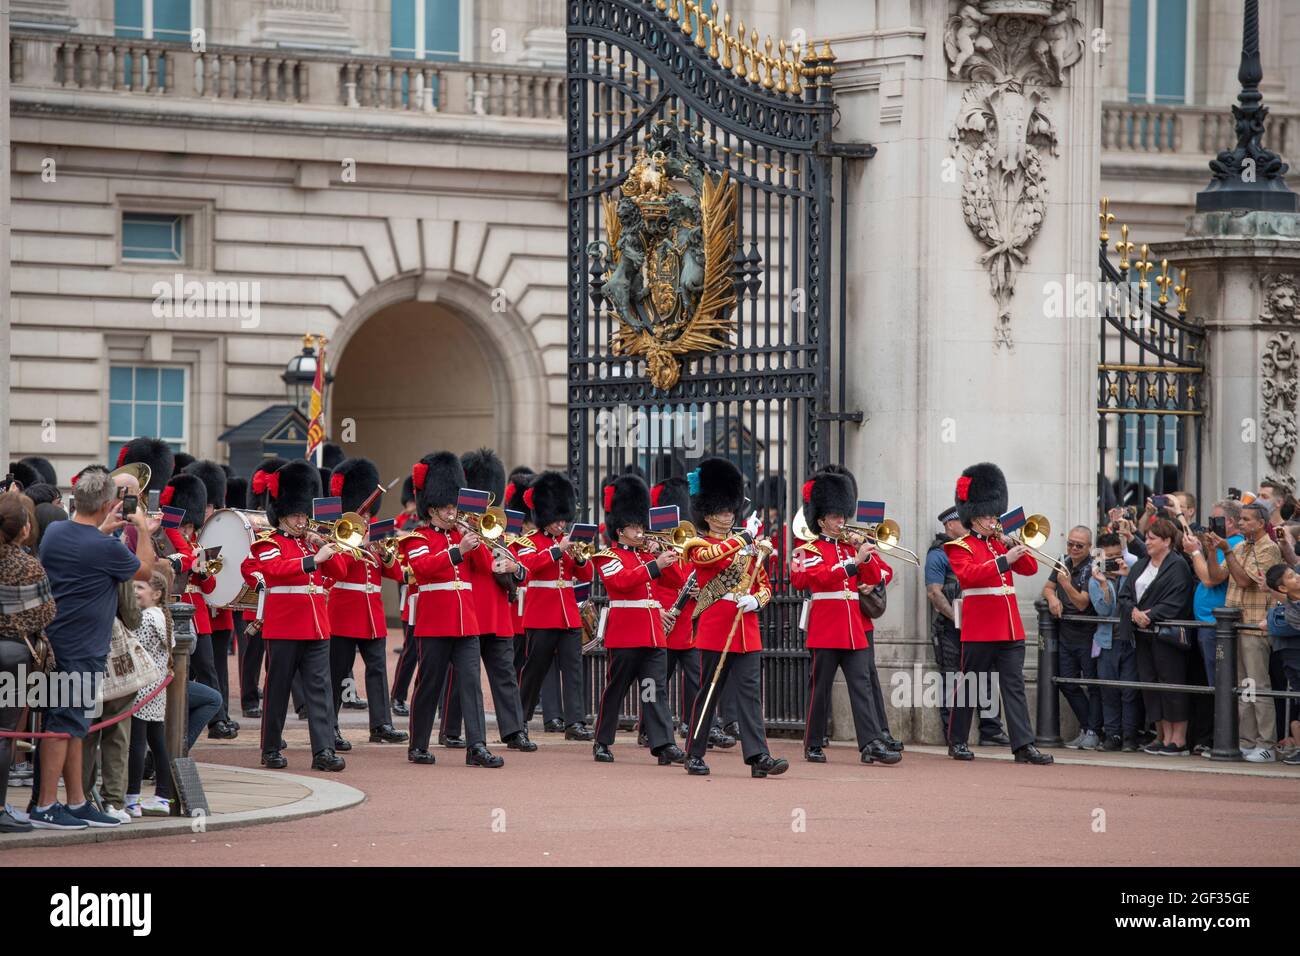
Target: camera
x=1112, y=564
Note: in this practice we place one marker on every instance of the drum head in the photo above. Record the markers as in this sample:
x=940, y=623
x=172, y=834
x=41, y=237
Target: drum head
x=234, y=532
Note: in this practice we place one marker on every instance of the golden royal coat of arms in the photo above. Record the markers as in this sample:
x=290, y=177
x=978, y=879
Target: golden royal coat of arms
x=665, y=264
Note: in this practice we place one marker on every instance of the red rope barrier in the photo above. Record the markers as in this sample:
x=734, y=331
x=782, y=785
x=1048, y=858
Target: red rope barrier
x=93, y=727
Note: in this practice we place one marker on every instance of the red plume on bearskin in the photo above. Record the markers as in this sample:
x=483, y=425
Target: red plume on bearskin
x=336, y=485
x=806, y=493
x=528, y=497
x=259, y=482
x=963, y=488
x=121, y=456
x=655, y=492
x=273, y=484
x=165, y=496
x=608, y=503
x=419, y=472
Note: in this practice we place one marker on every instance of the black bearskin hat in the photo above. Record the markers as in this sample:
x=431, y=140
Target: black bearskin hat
x=353, y=480
x=24, y=473
x=188, y=492
x=627, y=501
x=408, y=491
x=291, y=490
x=551, y=498
x=257, y=484
x=331, y=455
x=771, y=493
x=155, y=453
x=214, y=480
x=981, y=491
x=829, y=492
x=43, y=468
x=438, y=478
x=673, y=491
x=484, y=471
x=519, y=481
x=183, y=461
x=236, y=492
x=716, y=485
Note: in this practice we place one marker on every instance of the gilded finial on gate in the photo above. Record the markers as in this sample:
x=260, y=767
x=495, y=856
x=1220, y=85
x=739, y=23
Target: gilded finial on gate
x=796, y=70
x=1143, y=266
x=1183, y=291
x=726, y=42
x=739, y=47
x=753, y=76
x=1163, y=281
x=662, y=5
x=1124, y=248
x=672, y=11
x=783, y=66
x=1106, y=217
x=810, y=62
x=688, y=8
x=766, y=57
x=713, y=32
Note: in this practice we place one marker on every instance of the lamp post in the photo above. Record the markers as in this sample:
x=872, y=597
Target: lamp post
x=1248, y=176
x=300, y=374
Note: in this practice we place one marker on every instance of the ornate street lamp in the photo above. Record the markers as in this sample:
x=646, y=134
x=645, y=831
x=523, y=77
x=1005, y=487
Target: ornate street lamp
x=300, y=373
x=1248, y=176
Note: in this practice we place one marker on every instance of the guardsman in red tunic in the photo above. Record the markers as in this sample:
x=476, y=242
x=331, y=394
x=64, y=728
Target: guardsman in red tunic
x=992, y=634
x=221, y=727
x=552, y=625
x=726, y=615
x=294, y=613
x=635, y=642
x=496, y=642
x=441, y=557
x=407, y=521
x=252, y=650
x=832, y=571
x=356, y=605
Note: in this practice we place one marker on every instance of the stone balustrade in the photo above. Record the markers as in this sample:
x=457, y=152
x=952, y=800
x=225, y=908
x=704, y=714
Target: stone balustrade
x=148, y=68
x=1196, y=132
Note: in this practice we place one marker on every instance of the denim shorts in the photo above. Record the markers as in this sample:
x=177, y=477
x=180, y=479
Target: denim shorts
x=75, y=715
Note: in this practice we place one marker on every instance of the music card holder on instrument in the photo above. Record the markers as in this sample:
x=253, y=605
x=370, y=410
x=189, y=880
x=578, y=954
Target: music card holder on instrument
x=326, y=510
x=583, y=533
x=664, y=518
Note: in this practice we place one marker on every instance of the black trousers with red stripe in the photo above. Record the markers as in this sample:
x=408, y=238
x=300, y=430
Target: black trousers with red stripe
x=373, y=650
x=688, y=661
x=744, y=671
x=498, y=654
x=547, y=645
x=285, y=660
x=859, y=669
x=552, y=708
x=251, y=653
x=221, y=670
x=406, y=662
x=993, y=666
x=436, y=655
x=648, y=667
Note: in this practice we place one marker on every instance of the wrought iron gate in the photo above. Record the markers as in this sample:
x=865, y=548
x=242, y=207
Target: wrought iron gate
x=1150, y=378
x=770, y=397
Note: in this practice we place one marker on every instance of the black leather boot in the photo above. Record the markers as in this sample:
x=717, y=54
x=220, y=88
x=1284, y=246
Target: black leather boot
x=327, y=760
x=480, y=756
x=602, y=753
x=768, y=766
x=388, y=734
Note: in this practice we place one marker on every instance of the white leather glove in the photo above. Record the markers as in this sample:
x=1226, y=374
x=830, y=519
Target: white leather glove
x=748, y=603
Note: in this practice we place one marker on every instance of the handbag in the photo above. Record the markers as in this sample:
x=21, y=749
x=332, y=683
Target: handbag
x=872, y=603
x=129, y=666
x=1172, y=635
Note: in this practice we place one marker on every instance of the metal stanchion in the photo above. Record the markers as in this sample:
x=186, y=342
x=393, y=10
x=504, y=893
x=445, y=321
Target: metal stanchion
x=1048, y=727
x=1226, y=745
x=178, y=710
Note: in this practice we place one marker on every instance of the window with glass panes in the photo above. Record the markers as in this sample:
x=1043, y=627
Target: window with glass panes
x=426, y=29
x=1160, y=53
x=145, y=401
x=153, y=237
x=167, y=20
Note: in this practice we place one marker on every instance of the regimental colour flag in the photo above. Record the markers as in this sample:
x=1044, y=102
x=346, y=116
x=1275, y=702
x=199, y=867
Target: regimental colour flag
x=871, y=512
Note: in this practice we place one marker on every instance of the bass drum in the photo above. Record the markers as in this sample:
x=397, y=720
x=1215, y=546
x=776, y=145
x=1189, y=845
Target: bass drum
x=234, y=531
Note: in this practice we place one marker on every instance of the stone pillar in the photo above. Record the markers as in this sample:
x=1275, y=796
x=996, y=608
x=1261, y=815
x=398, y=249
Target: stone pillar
x=1244, y=272
x=979, y=202
x=5, y=171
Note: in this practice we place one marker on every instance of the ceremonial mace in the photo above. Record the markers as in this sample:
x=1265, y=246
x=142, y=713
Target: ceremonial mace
x=762, y=548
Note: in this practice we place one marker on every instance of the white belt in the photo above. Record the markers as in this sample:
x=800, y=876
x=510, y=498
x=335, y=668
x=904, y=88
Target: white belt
x=550, y=584
x=977, y=592
x=367, y=588
x=645, y=603
x=447, y=586
x=833, y=595
x=296, y=589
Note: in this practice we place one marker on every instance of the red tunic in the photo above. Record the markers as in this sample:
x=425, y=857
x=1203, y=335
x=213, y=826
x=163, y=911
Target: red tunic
x=443, y=592
x=682, y=636
x=521, y=589
x=822, y=568
x=715, y=624
x=294, y=607
x=356, y=602
x=195, y=587
x=491, y=601
x=991, y=615
x=634, y=618
x=551, y=573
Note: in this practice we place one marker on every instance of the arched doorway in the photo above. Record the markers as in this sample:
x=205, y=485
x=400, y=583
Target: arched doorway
x=414, y=377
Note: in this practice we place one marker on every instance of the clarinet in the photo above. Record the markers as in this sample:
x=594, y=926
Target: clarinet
x=684, y=594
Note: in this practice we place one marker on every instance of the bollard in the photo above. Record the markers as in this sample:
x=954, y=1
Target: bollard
x=1049, y=702
x=1226, y=741
x=178, y=708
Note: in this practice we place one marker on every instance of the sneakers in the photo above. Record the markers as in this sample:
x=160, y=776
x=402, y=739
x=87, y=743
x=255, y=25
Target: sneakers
x=1089, y=741
x=11, y=824
x=1112, y=744
x=22, y=816
x=121, y=816
x=133, y=804
x=1077, y=742
x=96, y=819
x=156, y=807
x=57, y=817
x=1155, y=747
x=1293, y=760
x=1174, y=750
x=1261, y=755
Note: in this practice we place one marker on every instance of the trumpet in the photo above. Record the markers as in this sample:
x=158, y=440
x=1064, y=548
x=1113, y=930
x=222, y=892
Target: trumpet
x=347, y=533
x=1033, y=534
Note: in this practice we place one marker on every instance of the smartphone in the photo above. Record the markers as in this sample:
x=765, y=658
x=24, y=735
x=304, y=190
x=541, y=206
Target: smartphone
x=9, y=482
x=128, y=505
x=1131, y=513
x=154, y=505
x=1234, y=494
x=1160, y=501
x=1219, y=526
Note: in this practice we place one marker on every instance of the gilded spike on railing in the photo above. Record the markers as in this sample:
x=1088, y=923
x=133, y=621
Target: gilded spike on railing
x=1183, y=291
x=672, y=11
x=687, y=9
x=1143, y=266
x=753, y=76
x=1106, y=217
x=1163, y=281
x=810, y=62
x=661, y=5
x=1124, y=248
x=766, y=57
x=713, y=32
x=781, y=62
x=726, y=42
x=701, y=21
x=796, y=71
x=739, y=49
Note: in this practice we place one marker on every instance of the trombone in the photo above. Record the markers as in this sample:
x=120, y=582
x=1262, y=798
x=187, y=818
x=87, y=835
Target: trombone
x=348, y=534
x=884, y=536
x=677, y=538
x=1033, y=534
x=489, y=526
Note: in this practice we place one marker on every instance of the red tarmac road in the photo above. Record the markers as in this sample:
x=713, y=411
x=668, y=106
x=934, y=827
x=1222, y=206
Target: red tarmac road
x=558, y=807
